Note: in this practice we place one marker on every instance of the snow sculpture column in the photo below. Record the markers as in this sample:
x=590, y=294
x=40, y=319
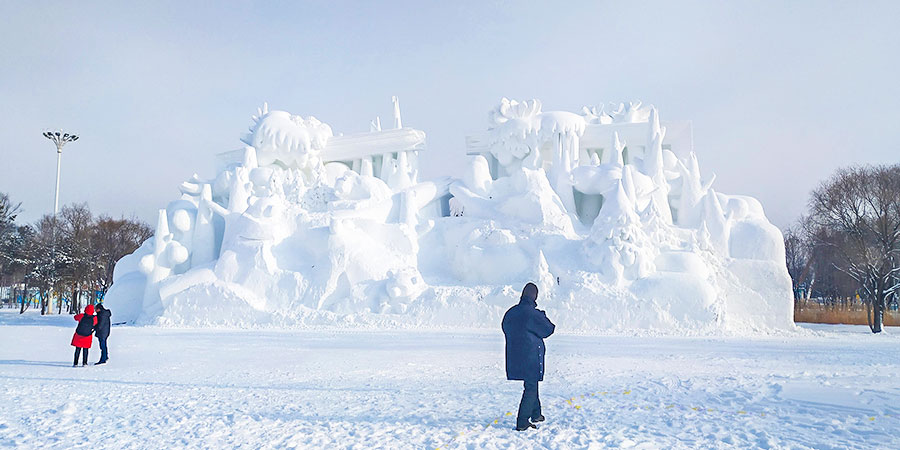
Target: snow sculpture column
x=653, y=167
x=398, y=123
x=204, y=231
x=365, y=168
x=615, y=156
x=387, y=166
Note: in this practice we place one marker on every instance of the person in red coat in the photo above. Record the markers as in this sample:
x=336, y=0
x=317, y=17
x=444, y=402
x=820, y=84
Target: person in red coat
x=82, y=338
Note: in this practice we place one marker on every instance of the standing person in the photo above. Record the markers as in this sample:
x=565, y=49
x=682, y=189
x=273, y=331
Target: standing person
x=82, y=338
x=102, y=331
x=525, y=328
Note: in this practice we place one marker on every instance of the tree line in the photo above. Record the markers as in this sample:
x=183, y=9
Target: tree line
x=848, y=242
x=64, y=256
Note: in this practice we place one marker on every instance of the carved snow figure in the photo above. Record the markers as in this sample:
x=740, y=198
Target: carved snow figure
x=514, y=132
x=617, y=245
x=286, y=139
x=167, y=253
x=404, y=286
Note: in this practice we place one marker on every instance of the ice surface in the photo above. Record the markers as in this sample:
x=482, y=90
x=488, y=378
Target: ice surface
x=301, y=227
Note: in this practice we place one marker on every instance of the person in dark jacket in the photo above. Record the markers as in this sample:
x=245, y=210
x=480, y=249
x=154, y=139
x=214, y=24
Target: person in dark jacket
x=101, y=330
x=525, y=328
x=82, y=338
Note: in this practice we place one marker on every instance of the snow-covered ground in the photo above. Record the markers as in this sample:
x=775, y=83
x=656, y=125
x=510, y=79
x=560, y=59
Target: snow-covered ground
x=823, y=387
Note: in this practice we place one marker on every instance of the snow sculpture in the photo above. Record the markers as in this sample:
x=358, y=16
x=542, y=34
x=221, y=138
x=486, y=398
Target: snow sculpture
x=617, y=245
x=606, y=210
x=288, y=139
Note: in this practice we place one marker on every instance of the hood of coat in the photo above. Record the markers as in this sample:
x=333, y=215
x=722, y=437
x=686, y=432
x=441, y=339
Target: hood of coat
x=529, y=295
x=89, y=310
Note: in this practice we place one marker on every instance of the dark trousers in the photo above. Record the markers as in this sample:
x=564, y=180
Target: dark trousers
x=530, y=406
x=104, y=352
x=77, y=351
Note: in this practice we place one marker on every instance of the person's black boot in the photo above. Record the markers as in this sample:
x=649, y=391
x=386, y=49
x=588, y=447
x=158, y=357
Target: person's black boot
x=99, y=362
x=538, y=419
x=530, y=425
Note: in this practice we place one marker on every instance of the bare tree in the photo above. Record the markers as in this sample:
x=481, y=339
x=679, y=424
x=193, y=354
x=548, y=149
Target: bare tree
x=45, y=260
x=113, y=239
x=857, y=214
x=17, y=261
x=75, y=243
x=8, y=212
x=797, y=259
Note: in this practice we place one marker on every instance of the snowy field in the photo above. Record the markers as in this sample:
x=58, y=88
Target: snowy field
x=823, y=387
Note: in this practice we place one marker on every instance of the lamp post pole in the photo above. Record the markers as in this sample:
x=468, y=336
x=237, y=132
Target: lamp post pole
x=59, y=139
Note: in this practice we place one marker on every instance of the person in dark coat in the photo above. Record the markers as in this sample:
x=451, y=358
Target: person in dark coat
x=101, y=330
x=525, y=328
x=82, y=338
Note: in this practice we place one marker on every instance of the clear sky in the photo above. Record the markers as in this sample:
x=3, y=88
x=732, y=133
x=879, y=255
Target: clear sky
x=780, y=93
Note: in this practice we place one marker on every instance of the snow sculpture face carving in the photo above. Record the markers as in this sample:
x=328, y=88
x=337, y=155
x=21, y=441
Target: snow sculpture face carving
x=514, y=129
x=286, y=139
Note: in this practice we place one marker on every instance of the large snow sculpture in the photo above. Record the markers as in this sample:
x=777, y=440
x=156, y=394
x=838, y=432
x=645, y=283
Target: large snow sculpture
x=606, y=210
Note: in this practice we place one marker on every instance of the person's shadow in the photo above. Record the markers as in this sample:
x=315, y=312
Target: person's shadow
x=22, y=362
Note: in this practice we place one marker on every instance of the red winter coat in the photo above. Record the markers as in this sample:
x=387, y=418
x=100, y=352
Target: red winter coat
x=79, y=340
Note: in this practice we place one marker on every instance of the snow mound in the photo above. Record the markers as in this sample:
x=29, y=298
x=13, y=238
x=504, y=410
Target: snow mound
x=304, y=228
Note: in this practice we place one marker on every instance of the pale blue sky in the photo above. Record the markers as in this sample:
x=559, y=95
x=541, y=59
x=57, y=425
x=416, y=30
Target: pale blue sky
x=780, y=94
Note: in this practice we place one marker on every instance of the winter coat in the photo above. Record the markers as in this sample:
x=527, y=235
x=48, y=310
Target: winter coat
x=525, y=328
x=82, y=337
x=103, y=323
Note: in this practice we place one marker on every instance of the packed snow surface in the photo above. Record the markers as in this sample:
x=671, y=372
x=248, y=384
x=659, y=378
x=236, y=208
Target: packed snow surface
x=823, y=387
x=617, y=227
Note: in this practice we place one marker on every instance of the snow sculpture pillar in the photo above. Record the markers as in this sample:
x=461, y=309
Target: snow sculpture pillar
x=653, y=167
x=561, y=174
x=387, y=166
x=365, y=168
x=615, y=155
x=398, y=123
x=204, y=231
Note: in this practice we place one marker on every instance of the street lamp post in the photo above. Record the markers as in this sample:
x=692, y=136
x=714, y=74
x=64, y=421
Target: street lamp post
x=59, y=139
